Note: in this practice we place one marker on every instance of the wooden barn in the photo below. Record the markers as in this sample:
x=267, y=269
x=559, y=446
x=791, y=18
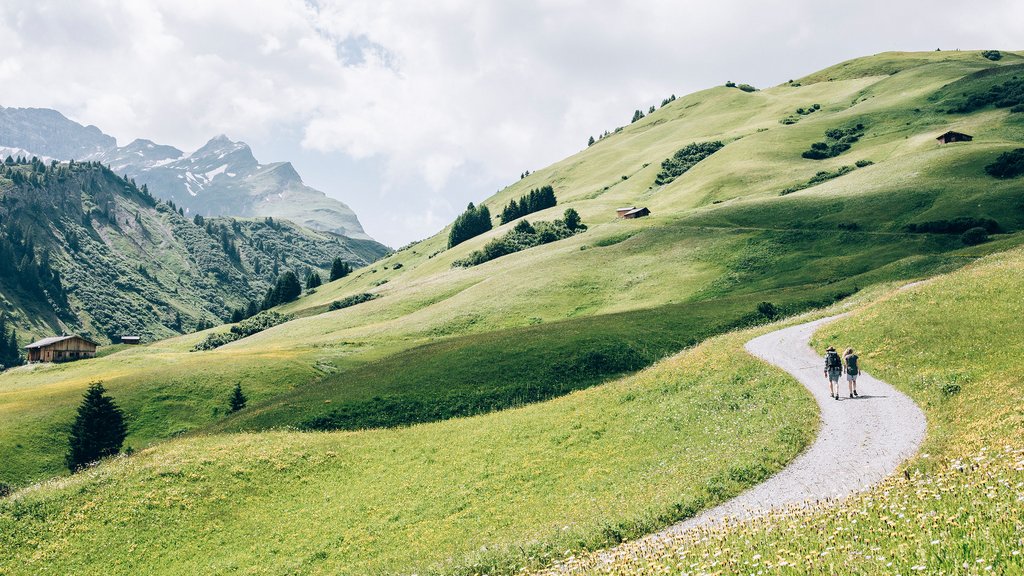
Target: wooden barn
x=133, y=340
x=620, y=212
x=61, y=349
x=952, y=136
x=636, y=213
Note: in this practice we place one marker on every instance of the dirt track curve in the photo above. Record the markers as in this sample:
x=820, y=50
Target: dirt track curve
x=860, y=442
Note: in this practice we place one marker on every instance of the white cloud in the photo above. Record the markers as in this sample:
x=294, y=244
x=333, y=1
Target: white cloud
x=443, y=100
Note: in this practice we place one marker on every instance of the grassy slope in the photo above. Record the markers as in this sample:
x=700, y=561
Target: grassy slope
x=954, y=345
x=750, y=243
x=486, y=493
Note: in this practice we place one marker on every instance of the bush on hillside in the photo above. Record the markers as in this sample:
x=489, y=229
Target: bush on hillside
x=5, y=490
x=957, y=225
x=974, y=236
x=992, y=54
x=837, y=141
x=525, y=235
x=684, y=159
x=1009, y=94
x=247, y=327
x=818, y=178
x=1007, y=165
x=351, y=301
x=747, y=88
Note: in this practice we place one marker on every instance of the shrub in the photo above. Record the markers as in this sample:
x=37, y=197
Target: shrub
x=523, y=236
x=838, y=140
x=974, y=236
x=247, y=327
x=351, y=301
x=1009, y=94
x=730, y=84
x=863, y=163
x=747, y=88
x=1007, y=165
x=5, y=490
x=957, y=225
x=684, y=159
x=818, y=178
x=992, y=54
x=768, y=310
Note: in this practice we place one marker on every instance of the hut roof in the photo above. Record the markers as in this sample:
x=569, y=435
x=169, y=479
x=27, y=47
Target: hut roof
x=637, y=211
x=55, y=339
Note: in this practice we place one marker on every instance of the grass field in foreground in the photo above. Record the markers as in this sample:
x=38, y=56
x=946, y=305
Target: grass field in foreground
x=954, y=345
x=487, y=494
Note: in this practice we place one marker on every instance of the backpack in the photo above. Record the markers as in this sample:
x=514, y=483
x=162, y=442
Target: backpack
x=832, y=361
x=851, y=364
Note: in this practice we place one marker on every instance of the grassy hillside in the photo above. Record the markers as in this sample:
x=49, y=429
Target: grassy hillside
x=953, y=345
x=440, y=341
x=464, y=496
x=719, y=233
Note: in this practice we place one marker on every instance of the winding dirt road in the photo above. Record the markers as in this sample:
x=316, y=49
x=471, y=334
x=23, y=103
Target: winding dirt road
x=860, y=442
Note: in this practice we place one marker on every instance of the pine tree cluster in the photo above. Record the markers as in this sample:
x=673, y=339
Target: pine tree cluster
x=340, y=269
x=537, y=199
x=473, y=222
x=286, y=289
x=10, y=354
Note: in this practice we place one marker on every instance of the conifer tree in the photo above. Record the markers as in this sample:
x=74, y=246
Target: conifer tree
x=313, y=280
x=339, y=269
x=98, y=431
x=238, y=399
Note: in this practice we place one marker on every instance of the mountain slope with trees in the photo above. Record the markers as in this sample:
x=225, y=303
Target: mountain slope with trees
x=84, y=250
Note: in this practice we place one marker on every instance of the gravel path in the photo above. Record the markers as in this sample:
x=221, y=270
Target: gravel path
x=861, y=441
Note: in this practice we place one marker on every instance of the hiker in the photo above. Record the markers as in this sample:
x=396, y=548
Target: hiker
x=833, y=370
x=851, y=371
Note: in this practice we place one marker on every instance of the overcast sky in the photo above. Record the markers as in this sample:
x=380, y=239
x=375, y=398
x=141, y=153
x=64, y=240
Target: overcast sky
x=408, y=110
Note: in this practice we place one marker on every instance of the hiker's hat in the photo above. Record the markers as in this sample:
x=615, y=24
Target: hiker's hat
x=830, y=349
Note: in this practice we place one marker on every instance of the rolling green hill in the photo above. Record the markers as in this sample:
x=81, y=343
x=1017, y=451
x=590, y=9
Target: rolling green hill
x=753, y=229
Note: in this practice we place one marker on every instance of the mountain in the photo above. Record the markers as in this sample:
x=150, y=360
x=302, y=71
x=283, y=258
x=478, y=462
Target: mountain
x=485, y=415
x=84, y=250
x=49, y=133
x=222, y=178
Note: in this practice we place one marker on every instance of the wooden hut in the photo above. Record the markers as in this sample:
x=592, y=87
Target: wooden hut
x=131, y=340
x=637, y=213
x=61, y=349
x=620, y=212
x=952, y=136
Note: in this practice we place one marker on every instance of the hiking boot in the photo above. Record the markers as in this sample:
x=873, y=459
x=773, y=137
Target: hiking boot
x=855, y=394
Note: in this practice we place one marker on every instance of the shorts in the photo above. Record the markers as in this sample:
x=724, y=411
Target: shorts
x=833, y=375
x=851, y=377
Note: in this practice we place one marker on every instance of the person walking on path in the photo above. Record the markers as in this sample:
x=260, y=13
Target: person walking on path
x=851, y=371
x=833, y=370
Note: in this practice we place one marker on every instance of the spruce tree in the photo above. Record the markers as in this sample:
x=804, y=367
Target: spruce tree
x=339, y=269
x=238, y=399
x=98, y=431
x=288, y=287
x=313, y=280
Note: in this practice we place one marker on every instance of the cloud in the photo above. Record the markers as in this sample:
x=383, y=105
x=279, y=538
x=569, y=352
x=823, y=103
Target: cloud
x=444, y=101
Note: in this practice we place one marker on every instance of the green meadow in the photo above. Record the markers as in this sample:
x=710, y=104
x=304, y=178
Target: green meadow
x=953, y=344
x=488, y=418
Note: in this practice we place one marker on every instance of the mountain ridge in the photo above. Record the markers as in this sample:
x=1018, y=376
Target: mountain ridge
x=221, y=178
